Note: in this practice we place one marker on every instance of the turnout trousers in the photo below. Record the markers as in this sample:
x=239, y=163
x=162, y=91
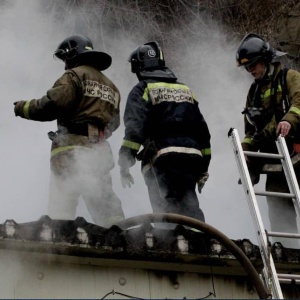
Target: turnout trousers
x=171, y=183
x=84, y=173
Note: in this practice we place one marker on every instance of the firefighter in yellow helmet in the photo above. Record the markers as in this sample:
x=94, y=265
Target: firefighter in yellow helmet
x=85, y=104
x=272, y=108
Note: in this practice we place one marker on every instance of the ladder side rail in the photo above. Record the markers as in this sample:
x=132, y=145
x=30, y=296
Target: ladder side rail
x=275, y=284
x=289, y=172
x=256, y=216
x=248, y=187
x=272, y=282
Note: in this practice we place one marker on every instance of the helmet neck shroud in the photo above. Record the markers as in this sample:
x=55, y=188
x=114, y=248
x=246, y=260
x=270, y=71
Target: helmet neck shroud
x=162, y=74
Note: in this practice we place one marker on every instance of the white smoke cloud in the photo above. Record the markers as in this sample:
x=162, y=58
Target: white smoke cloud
x=29, y=38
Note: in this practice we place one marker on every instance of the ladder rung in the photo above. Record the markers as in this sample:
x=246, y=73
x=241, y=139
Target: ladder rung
x=284, y=234
x=276, y=168
x=264, y=155
x=288, y=280
x=275, y=194
x=288, y=276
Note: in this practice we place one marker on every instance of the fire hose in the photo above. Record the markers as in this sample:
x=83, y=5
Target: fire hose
x=205, y=228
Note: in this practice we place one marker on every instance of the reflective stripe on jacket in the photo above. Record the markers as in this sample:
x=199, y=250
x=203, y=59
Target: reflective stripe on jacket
x=82, y=95
x=168, y=114
x=266, y=94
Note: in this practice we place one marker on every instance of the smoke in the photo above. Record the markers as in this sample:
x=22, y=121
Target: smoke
x=27, y=68
x=29, y=37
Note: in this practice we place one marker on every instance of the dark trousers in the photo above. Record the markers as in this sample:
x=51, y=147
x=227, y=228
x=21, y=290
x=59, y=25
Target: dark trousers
x=171, y=183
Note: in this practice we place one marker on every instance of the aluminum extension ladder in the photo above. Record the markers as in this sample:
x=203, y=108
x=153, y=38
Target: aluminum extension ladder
x=269, y=275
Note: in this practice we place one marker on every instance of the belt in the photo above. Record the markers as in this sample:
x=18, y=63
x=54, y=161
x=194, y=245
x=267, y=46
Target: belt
x=80, y=129
x=93, y=132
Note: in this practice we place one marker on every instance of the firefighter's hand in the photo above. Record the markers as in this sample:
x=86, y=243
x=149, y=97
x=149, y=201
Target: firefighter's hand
x=126, y=178
x=283, y=128
x=18, y=108
x=202, y=180
x=127, y=157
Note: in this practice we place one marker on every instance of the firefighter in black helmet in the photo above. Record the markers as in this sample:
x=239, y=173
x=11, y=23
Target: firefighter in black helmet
x=162, y=115
x=254, y=48
x=146, y=57
x=272, y=108
x=85, y=104
x=78, y=50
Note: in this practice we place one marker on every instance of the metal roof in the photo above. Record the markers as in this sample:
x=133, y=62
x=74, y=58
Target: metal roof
x=145, y=242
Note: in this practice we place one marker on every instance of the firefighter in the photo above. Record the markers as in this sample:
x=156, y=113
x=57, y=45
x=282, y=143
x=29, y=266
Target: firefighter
x=163, y=116
x=272, y=108
x=85, y=104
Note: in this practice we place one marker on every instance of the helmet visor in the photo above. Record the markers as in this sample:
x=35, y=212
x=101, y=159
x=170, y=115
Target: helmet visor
x=252, y=63
x=65, y=54
x=60, y=54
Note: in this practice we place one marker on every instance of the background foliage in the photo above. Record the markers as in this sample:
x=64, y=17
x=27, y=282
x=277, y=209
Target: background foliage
x=170, y=21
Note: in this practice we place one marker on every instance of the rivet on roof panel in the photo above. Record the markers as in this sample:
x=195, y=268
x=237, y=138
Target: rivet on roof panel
x=183, y=244
x=10, y=228
x=149, y=240
x=82, y=235
x=46, y=233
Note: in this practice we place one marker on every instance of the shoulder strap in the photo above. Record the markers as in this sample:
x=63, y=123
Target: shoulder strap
x=254, y=95
x=285, y=93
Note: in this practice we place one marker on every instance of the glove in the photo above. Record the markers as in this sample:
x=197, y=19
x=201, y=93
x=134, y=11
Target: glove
x=18, y=109
x=127, y=157
x=201, y=182
x=126, y=178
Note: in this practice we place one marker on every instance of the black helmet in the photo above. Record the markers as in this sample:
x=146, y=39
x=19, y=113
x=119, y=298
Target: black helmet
x=146, y=57
x=78, y=50
x=252, y=48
